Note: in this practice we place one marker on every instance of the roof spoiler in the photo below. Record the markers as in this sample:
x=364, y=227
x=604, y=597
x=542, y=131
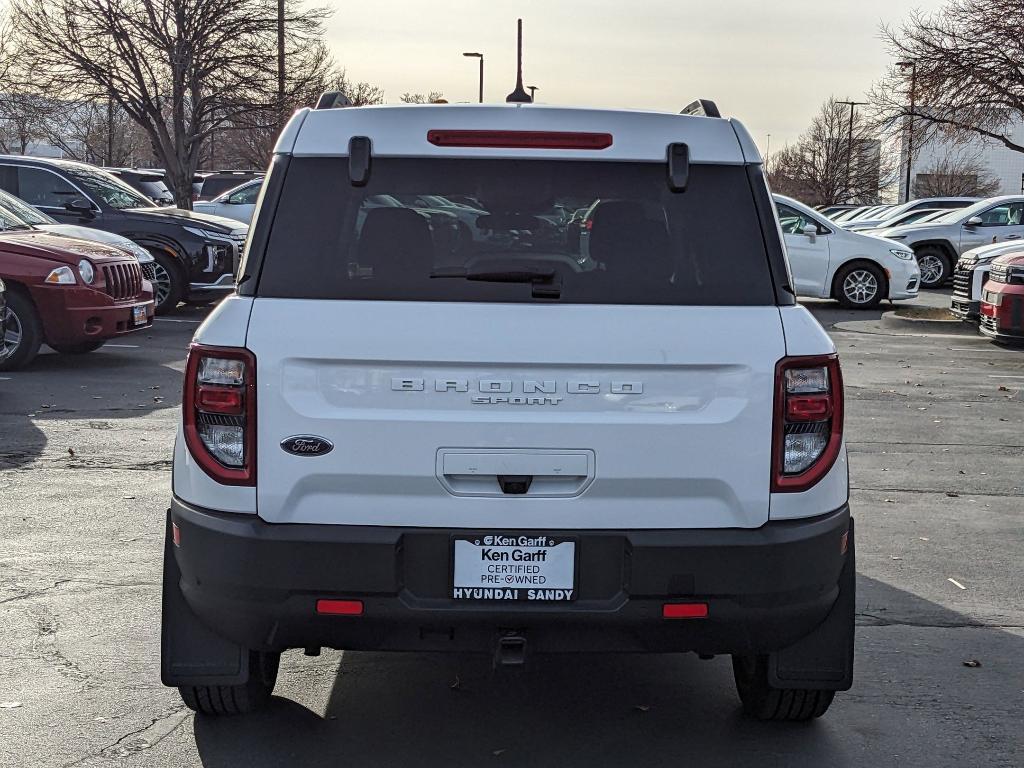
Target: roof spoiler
x=333, y=100
x=700, y=108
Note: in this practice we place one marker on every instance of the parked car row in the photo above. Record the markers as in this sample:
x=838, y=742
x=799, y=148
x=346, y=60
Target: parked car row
x=86, y=256
x=195, y=254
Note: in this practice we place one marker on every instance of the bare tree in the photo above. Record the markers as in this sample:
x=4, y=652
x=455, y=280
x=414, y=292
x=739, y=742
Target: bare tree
x=966, y=72
x=179, y=68
x=832, y=164
x=249, y=140
x=431, y=97
x=957, y=173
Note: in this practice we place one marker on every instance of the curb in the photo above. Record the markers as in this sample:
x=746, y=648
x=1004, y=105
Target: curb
x=903, y=324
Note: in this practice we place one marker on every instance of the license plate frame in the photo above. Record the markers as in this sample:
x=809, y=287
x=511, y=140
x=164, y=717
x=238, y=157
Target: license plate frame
x=503, y=576
x=139, y=315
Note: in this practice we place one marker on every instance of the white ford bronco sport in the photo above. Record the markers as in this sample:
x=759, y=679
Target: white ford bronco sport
x=512, y=379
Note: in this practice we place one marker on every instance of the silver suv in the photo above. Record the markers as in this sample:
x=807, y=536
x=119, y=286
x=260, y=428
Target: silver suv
x=937, y=244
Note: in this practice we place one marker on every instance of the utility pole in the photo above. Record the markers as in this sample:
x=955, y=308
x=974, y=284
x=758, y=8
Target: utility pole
x=912, y=63
x=481, y=57
x=849, y=145
x=280, y=64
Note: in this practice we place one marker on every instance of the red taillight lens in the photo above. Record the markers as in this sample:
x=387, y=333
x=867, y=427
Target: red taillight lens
x=520, y=139
x=219, y=412
x=227, y=400
x=808, y=407
x=808, y=428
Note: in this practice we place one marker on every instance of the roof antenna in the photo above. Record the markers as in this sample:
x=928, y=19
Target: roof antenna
x=519, y=95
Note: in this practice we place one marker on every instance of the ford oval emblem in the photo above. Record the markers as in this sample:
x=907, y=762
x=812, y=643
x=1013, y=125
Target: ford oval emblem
x=307, y=445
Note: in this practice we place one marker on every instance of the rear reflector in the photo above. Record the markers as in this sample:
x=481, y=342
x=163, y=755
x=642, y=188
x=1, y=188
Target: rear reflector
x=520, y=139
x=340, y=607
x=176, y=534
x=685, y=611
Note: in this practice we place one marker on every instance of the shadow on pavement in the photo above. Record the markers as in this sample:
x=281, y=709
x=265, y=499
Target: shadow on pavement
x=579, y=710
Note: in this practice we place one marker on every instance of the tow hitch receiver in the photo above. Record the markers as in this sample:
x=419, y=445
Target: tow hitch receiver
x=511, y=651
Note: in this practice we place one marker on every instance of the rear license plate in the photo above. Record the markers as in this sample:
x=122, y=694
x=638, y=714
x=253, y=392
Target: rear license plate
x=139, y=315
x=495, y=566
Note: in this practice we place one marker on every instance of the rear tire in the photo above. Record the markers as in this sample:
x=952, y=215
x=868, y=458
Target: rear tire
x=221, y=700
x=934, y=264
x=860, y=286
x=79, y=349
x=169, y=284
x=764, y=702
x=21, y=331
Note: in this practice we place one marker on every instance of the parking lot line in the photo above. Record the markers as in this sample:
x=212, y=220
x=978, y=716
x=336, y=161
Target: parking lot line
x=169, y=320
x=123, y=346
x=1006, y=375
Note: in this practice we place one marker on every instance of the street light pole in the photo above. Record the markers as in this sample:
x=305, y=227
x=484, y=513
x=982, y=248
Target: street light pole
x=481, y=57
x=532, y=89
x=912, y=63
x=849, y=144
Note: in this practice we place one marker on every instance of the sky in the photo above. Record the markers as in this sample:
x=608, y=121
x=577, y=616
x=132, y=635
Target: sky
x=771, y=64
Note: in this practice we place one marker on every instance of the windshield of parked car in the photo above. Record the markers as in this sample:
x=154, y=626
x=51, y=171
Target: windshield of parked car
x=963, y=214
x=23, y=210
x=641, y=243
x=9, y=221
x=110, y=189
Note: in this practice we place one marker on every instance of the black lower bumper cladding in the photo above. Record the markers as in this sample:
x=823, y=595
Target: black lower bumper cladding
x=235, y=582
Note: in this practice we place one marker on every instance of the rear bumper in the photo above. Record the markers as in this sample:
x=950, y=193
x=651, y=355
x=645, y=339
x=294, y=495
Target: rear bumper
x=72, y=314
x=257, y=584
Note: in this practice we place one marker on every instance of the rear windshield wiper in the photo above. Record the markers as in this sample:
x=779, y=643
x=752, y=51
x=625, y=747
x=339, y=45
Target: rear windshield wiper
x=544, y=281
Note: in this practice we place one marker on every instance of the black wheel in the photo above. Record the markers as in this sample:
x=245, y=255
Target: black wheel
x=21, y=332
x=860, y=286
x=168, y=282
x=934, y=265
x=218, y=700
x=79, y=349
x=764, y=702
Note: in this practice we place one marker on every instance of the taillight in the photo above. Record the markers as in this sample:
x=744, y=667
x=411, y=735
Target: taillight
x=808, y=429
x=219, y=412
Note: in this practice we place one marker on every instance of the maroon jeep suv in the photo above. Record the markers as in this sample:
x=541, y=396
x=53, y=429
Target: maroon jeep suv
x=71, y=294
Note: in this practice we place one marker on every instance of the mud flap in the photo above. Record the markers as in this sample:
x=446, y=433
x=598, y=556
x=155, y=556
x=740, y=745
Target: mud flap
x=823, y=660
x=190, y=653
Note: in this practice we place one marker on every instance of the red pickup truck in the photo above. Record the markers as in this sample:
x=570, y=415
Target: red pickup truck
x=1002, y=300
x=71, y=294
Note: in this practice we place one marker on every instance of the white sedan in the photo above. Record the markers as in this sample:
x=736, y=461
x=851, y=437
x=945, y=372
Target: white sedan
x=856, y=270
x=238, y=203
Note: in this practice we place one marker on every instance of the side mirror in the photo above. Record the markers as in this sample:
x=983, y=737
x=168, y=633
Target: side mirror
x=811, y=230
x=79, y=206
x=975, y=221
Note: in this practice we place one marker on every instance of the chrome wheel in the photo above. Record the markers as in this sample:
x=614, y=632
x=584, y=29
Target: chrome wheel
x=161, y=283
x=932, y=269
x=860, y=287
x=10, y=334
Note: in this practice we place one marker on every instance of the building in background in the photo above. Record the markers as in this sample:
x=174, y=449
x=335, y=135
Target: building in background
x=978, y=167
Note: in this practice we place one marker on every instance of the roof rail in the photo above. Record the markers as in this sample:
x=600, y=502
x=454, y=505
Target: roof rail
x=333, y=100
x=701, y=108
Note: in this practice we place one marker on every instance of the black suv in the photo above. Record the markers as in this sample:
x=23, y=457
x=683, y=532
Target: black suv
x=149, y=183
x=196, y=254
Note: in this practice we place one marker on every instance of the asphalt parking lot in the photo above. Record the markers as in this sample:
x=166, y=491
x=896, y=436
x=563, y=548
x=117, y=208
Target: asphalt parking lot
x=935, y=429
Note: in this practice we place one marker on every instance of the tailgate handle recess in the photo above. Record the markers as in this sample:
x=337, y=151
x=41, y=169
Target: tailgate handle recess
x=503, y=472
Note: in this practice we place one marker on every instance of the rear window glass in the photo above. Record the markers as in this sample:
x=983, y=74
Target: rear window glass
x=516, y=231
